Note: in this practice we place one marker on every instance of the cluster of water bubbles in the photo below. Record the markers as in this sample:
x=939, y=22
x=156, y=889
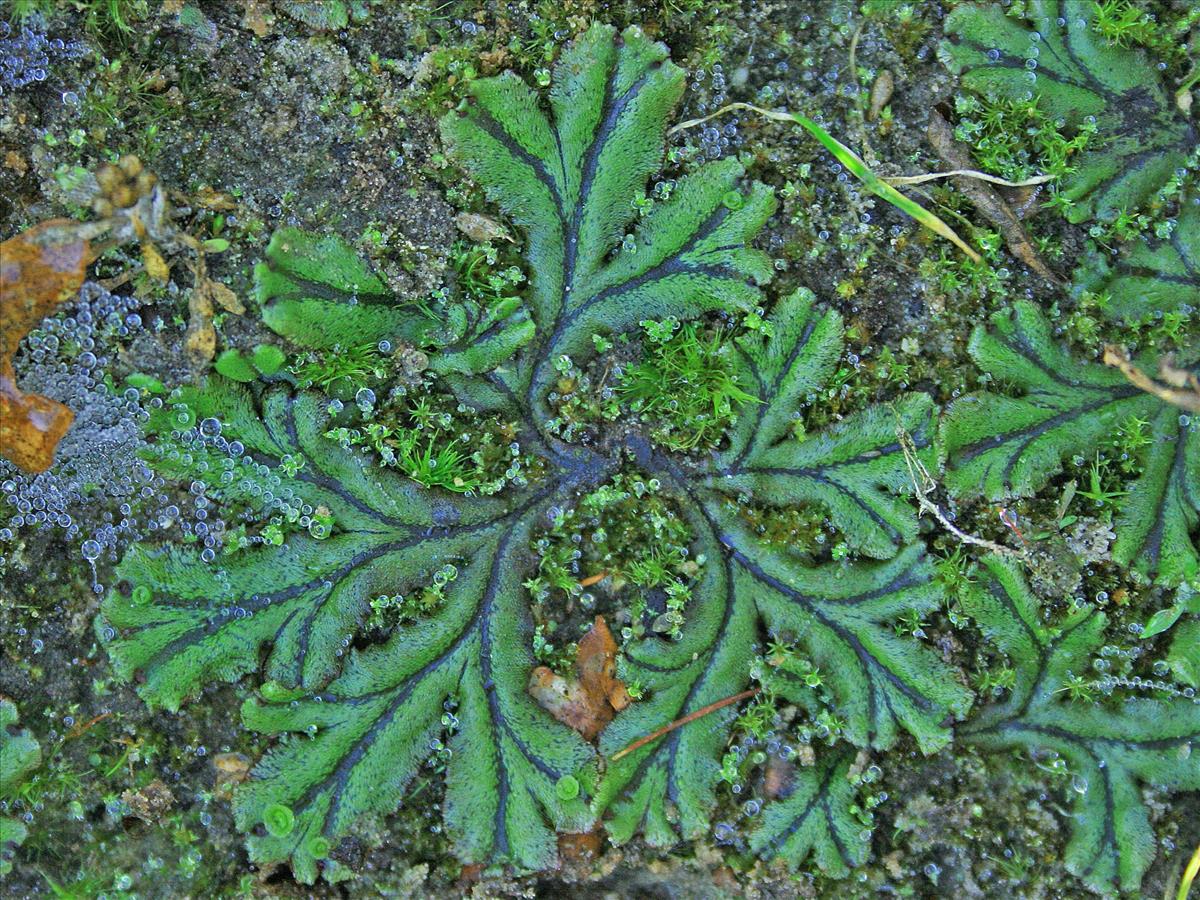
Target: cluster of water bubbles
x=26, y=54
x=99, y=494
x=1109, y=681
x=200, y=447
x=103, y=492
x=716, y=136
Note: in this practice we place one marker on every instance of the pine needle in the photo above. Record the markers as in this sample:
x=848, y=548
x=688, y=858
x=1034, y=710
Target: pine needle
x=679, y=723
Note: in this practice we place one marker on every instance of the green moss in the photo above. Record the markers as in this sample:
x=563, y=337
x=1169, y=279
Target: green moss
x=685, y=387
x=630, y=537
x=1017, y=139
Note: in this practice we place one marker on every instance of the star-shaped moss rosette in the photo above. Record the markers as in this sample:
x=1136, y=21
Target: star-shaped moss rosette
x=356, y=713
x=358, y=724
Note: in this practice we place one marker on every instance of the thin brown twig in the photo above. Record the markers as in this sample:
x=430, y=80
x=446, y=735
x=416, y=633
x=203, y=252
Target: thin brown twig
x=1185, y=393
x=679, y=723
x=84, y=726
x=868, y=152
x=986, y=199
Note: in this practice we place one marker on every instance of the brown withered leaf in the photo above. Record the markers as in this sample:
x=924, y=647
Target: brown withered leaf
x=200, y=341
x=257, y=16
x=226, y=298
x=881, y=93
x=492, y=61
x=780, y=774
x=16, y=162
x=150, y=803
x=156, y=266
x=39, y=269
x=588, y=701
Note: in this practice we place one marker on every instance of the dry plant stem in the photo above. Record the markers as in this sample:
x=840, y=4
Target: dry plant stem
x=679, y=723
x=81, y=728
x=729, y=107
x=923, y=483
x=111, y=284
x=900, y=180
x=1185, y=396
x=867, y=151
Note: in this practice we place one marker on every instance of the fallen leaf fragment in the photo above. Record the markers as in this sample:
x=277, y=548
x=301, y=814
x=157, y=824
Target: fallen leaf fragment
x=200, y=341
x=467, y=876
x=725, y=880
x=779, y=778
x=226, y=299
x=14, y=161
x=150, y=803
x=492, y=61
x=588, y=701
x=210, y=198
x=481, y=228
x=231, y=769
x=881, y=94
x=156, y=266
x=257, y=16
x=39, y=269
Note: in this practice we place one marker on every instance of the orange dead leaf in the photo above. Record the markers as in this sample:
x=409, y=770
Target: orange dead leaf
x=469, y=875
x=589, y=701
x=593, y=579
x=39, y=269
